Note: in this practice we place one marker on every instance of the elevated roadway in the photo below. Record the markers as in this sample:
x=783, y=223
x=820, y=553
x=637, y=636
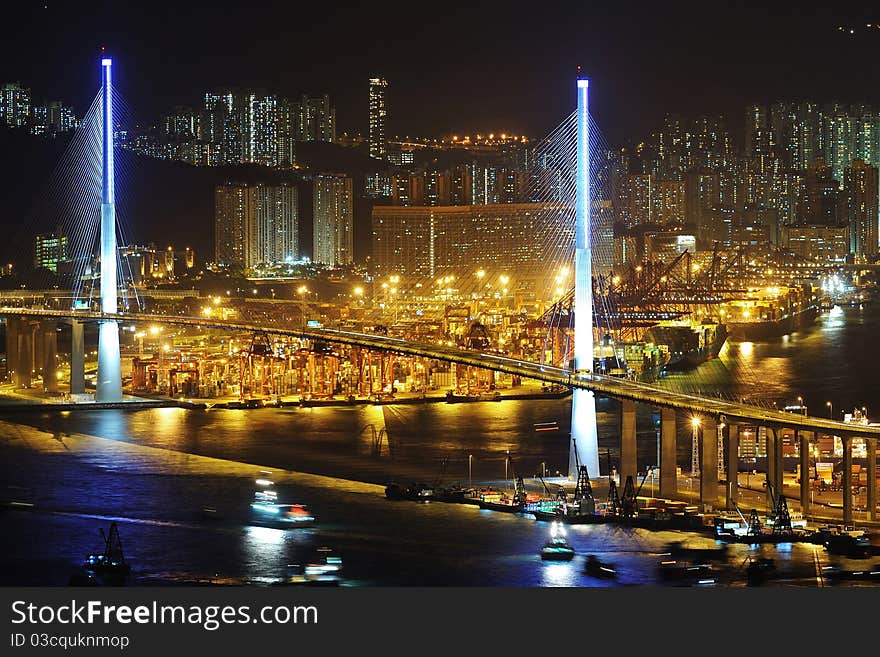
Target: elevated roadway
x=618, y=388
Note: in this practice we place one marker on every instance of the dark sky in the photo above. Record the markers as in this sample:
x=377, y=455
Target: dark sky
x=452, y=67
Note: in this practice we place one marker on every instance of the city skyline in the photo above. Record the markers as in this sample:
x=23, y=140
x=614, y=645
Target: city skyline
x=707, y=67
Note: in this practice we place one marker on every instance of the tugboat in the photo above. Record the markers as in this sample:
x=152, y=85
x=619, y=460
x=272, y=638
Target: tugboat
x=598, y=569
x=107, y=568
x=557, y=548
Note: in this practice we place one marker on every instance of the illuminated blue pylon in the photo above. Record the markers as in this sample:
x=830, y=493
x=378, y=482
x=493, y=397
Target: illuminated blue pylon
x=584, y=448
x=109, y=384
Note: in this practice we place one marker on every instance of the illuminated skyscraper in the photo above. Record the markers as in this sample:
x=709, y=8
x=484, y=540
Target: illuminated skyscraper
x=274, y=227
x=333, y=220
x=255, y=224
x=50, y=250
x=860, y=189
x=315, y=119
x=756, y=131
x=232, y=212
x=378, y=112
x=15, y=105
x=839, y=142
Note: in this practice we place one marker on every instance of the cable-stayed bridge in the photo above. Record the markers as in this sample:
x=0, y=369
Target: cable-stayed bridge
x=569, y=180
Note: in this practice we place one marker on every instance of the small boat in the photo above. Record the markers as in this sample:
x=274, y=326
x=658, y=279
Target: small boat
x=281, y=516
x=557, y=548
x=417, y=492
x=855, y=546
x=107, y=568
x=267, y=511
x=686, y=573
x=325, y=569
x=454, y=398
x=759, y=570
x=599, y=569
x=835, y=573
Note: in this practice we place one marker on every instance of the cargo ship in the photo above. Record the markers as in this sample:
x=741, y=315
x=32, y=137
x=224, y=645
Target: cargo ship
x=771, y=313
x=688, y=345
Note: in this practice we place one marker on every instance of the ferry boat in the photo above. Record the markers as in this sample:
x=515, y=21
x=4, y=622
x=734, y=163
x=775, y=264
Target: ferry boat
x=267, y=511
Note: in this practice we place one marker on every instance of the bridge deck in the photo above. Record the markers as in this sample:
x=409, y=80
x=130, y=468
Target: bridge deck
x=607, y=385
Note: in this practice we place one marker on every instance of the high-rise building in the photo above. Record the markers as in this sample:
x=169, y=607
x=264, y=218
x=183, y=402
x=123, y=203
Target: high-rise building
x=274, y=233
x=378, y=112
x=15, y=105
x=428, y=240
x=243, y=125
x=702, y=195
x=315, y=119
x=757, y=133
x=839, y=139
x=260, y=129
x=860, y=189
x=50, y=250
x=256, y=224
x=233, y=212
x=669, y=202
x=333, y=220
x=286, y=133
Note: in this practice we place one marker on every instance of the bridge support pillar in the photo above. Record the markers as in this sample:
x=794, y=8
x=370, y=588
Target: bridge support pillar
x=774, y=465
x=804, y=451
x=847, y=481
x=732, y=466
x=668, y=463
x=12, y=329
x=628, y=466
x=708, y=464
x=24, y=369
x=49, y=339
x=77, y=358
x=871, y=445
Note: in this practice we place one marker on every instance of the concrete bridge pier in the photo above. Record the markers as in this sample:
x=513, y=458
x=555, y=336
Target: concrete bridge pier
x=847, y=481
x=732, y=466
x=628, y=466
x=708, y=464
x=49, y=352
x=11, y=347
x=77, y=358
x=804, y=450
x=872, y=478
x=668, y=475
x=24, y=347
x=774, y=465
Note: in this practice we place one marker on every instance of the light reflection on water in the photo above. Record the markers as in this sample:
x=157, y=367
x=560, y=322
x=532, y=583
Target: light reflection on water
x=384, y=542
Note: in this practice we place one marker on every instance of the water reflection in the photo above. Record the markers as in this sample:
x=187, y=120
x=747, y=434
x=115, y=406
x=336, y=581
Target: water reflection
x=560, y=574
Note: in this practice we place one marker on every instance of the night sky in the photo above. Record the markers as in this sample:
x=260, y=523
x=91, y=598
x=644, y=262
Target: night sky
x=452, y=67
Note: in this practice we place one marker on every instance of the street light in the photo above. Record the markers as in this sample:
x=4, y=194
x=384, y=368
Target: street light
x=470, y=468
x=302, y=290
x=830, y=410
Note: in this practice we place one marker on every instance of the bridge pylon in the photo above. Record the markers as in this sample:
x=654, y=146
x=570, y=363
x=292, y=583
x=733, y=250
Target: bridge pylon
x=108, y=387
x=584, y=432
